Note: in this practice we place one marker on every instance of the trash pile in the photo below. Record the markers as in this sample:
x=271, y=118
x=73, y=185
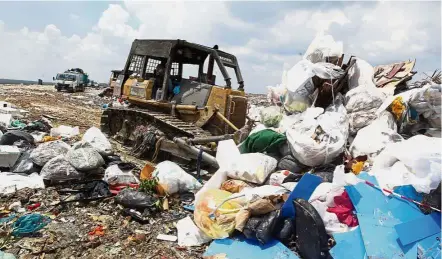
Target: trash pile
x=343, y=160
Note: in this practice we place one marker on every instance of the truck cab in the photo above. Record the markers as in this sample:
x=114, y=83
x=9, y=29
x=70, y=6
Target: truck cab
x=71, y=82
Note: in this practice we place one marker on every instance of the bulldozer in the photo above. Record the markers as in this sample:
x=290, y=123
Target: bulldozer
x=182, y=117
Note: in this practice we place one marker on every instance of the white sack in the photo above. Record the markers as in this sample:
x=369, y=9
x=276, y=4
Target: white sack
x=114, y=175
x=372, y=139
x=84, y=157
x=174, y=179
x=98, y=140
x=306, y=149
x=59, y=169
x=12, y=182
x=416, y=161
x=427, y=102
x=48, y=150
x=362, y=103
x=323, y=46
x=361, y=74
x=251, y=167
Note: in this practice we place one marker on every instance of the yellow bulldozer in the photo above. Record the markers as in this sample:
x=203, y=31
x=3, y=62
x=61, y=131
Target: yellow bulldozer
x=170, y=113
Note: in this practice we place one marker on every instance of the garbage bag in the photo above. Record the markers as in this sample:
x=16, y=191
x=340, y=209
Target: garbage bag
x=372, y=139
x=115, y=176
x=24, y=164
x=59, y=169
x=299, y=87
x=275, y=94
x=261, y=228
x=360, y=74
x=416, y=161
x=46, y=151
x=223, y=223
x=284, y=230
x=271, y=116
x=84, y=157
x=264, y=141
x=133, y=199
x=98, y=140
x=427, y=102
x=291, y=164
x=65, y=131
x=325, y=172
x=251, y=167
x=362, y=104
x=12, y=136
x=174, y=179
x=317, y=140
x=323, y=46
x=12, y=182
x=189, y=234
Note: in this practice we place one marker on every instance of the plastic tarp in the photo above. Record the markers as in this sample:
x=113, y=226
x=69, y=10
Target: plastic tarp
x=46, y=151
x=174, y=179
x=84, y=157
x=330, y=130
x=98, y=140
x=415, y=161
x=59, y=169
x=12, y=182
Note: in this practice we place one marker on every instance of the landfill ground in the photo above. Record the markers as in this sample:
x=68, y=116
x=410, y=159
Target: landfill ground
x=67, y=236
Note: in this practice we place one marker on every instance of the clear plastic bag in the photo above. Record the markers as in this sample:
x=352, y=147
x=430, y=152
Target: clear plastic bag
x=174, y=179
x=46, y=151
x=59, y=169
x=251, y=167
x=98, y=140
x=271, y=116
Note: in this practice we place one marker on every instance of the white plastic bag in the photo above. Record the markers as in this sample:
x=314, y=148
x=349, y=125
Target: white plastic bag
x=416, y=161
x=59, y=169
x=84, y=157
x=98, y=140
x=271, y=116
x=372, y=139
x=427, y=102
x=331, y=129
x=323, y=46
x=114, y=175
x=275, y=94
x=12, y=182
x=251, y=167
x=189, y=234
x=65, y=131
x=174, y=179
x=362, y=104
x=48, y=150
x=299, y=87
x=360, y=74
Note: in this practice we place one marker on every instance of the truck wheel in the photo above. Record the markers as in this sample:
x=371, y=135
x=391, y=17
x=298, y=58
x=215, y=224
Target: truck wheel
x=58, y=89
x=71, y=90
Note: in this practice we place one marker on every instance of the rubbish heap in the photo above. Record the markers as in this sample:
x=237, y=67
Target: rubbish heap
x=344, y=161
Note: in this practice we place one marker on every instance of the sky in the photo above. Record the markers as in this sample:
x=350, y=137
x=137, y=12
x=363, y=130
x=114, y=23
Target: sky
x=40, y=39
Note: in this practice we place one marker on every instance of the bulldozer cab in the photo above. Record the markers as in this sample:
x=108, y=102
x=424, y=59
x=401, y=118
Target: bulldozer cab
x=146, y=55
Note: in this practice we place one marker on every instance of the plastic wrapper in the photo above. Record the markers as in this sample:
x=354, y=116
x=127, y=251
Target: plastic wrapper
x=98, y=140
x=133, y=199
x=174, y=179
x=251, y=167
x=84, y=157
x=234, y=186
x=317, y=140
x=277, y=178
x=59, y=169
x=65, y=131
x=271, y=116
x=46, y=151
x=114, y=175
x=222, y=223
x=416, y=161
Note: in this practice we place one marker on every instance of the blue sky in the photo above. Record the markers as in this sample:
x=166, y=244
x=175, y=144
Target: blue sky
x=39, y=39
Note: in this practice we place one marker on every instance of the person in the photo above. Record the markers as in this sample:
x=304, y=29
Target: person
x=159, y=79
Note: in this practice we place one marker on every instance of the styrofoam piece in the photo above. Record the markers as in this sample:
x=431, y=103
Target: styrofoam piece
x=8, y=155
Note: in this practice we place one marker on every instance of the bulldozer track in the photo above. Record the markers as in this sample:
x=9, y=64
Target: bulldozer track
x=169, y=124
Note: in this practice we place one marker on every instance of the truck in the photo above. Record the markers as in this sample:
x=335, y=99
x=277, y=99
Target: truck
x=72, y=80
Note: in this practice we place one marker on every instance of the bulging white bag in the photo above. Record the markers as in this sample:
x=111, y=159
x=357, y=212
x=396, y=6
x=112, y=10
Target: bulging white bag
x=323, y=46
x=98, y=140
x=84, y=157
x=251, y=167
x=329, y=129
x=174, y=179
x=360, y=74
x=48, y=150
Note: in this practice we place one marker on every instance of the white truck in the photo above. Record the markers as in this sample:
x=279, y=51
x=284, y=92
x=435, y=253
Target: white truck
x=70, y=80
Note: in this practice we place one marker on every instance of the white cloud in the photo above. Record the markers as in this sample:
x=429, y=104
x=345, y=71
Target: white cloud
x=380, y=32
